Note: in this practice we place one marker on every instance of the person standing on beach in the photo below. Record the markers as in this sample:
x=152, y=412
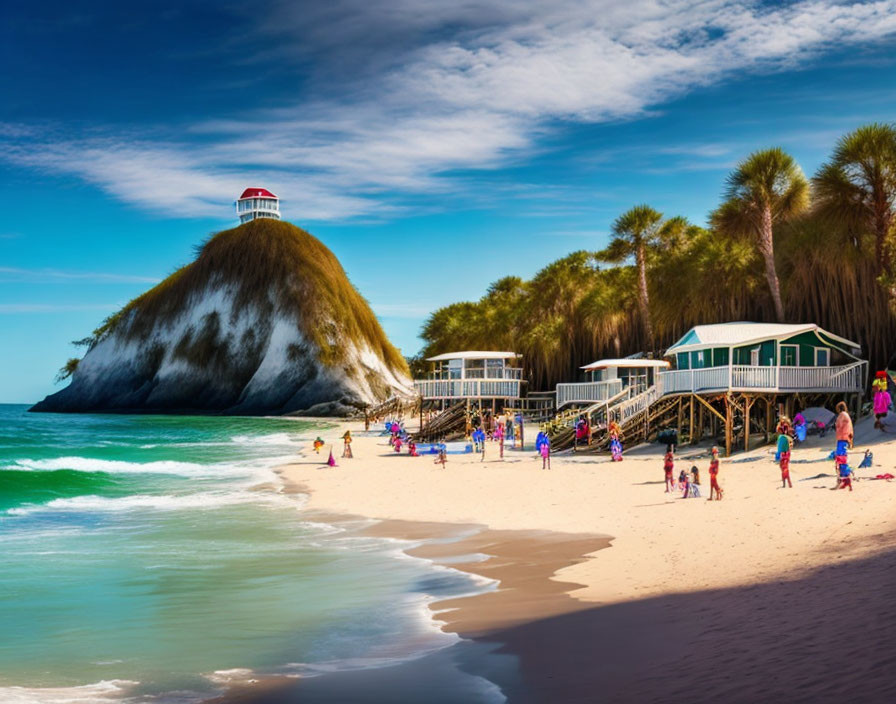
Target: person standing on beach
x=882, y=403
x=545, y=453
x=442, y=458
x=347, y=444
x=784, y=444
x=668, y=468
x=843, y=426
x=714, y=488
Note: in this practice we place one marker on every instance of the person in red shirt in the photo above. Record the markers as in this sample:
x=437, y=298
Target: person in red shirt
x=714, y=489
x=668, y=467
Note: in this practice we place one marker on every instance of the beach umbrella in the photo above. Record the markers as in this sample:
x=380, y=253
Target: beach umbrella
x=818, y=415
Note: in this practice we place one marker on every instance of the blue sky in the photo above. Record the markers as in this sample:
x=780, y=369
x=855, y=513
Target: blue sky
x=434, y=146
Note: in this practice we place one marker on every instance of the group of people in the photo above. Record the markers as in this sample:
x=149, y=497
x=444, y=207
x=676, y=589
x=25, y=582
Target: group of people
x=689, y=483
x=844, y=431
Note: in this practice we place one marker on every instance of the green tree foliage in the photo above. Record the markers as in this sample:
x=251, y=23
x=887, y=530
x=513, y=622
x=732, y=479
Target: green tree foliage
x=856, y=189
x=824, y=260
x=766, y=189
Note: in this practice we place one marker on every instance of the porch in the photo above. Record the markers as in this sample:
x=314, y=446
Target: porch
x=847, y=378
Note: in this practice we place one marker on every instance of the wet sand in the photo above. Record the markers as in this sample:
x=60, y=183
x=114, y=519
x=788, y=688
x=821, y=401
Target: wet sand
x=769, y=595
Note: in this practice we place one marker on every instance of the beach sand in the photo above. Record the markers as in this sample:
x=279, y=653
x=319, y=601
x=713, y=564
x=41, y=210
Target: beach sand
x=612, y=590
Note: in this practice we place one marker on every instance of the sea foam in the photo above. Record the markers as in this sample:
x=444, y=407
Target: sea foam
x=104, y=691
x=148, y=502
x=89, y=464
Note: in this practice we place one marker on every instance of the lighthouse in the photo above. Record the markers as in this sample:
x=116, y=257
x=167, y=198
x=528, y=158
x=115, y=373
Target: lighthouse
x=257, y=203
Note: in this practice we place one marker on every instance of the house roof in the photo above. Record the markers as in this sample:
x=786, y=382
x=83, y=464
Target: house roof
x=257, y=193
x=741, y=333
x=473, y=355
x=627, y=363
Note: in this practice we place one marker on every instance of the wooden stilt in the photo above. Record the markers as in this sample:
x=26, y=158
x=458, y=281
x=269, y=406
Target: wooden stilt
x=691, y=422
x=680, y=419
x=729, y=422
x=748, y=404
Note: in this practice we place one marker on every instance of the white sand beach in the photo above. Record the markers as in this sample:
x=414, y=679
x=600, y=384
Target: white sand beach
x=540, y=524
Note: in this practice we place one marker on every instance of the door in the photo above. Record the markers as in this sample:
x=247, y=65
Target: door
x=754, y=357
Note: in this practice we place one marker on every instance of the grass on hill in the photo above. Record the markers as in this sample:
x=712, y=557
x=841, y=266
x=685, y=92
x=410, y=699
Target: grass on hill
x=272, y=266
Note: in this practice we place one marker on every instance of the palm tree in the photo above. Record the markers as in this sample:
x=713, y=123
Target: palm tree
x=857, y=186
x=639, y=233
x=766, y=188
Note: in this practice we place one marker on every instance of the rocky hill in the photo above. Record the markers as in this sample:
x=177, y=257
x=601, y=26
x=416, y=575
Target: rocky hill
x=264, y=321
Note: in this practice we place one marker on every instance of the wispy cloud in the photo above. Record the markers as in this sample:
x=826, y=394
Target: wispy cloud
x=450, y=86
x=50, y=275
x=15, y=308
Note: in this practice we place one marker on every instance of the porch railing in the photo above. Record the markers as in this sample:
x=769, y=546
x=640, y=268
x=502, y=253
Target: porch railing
x=467, y=388
x=849, y=377
x=588, y=392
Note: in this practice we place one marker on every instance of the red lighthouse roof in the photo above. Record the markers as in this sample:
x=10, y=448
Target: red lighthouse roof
x=257, y=193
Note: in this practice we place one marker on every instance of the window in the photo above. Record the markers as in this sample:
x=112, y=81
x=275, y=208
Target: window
x=790, y=355
x=822, y=357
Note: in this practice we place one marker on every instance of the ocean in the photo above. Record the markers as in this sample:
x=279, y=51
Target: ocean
x=154, y=559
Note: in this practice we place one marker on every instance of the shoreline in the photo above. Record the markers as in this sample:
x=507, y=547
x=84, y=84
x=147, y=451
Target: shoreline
x=679, y=576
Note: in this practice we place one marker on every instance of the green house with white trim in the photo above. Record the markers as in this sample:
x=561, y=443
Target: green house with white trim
x=772, y=357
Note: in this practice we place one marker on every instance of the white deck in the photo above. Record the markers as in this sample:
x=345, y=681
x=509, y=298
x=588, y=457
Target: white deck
x=588, y=392
x=456, y=389
x=849, y=378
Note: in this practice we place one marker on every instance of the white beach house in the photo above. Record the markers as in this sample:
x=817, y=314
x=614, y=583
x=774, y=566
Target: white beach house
x=611, y=378
x=257, y=203
x=472, y=375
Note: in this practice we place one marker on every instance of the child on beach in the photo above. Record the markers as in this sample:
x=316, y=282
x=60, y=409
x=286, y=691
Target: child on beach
x=318, y=443
x=683, y=484
x=784, y=444
x=714, y=488
x=412, y=448
x=442, y=458
x=546, y=453
x=668, y=467
x=616, y=448
x=347, y=444
x=844, y=472
x=693, y=490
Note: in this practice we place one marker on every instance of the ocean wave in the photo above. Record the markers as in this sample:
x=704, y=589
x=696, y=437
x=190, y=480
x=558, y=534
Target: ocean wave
x=271, y=439
x=103, y=691
x=90, y=464
x=150, y=502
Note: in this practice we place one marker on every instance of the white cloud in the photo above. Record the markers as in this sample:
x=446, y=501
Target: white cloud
x=49, y=275
x=495, y=79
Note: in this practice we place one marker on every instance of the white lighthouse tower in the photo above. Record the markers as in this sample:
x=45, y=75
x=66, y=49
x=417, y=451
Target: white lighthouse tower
x=257, y=203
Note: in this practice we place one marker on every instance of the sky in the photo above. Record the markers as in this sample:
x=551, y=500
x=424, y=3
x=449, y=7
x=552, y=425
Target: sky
x=433, y=146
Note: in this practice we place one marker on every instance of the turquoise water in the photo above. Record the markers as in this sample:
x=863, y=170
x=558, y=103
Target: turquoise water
x=137, y=560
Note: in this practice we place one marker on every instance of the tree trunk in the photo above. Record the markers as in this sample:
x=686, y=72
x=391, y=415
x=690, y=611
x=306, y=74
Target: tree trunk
x=767, y=248
x=643, y=297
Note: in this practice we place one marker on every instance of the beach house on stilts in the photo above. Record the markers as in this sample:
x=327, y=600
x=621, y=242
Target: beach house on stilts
x=726, y=373
x=490, y=379
x=726, y=381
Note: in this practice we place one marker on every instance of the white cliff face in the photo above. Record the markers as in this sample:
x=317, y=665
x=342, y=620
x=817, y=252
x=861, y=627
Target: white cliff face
x=216, y=356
